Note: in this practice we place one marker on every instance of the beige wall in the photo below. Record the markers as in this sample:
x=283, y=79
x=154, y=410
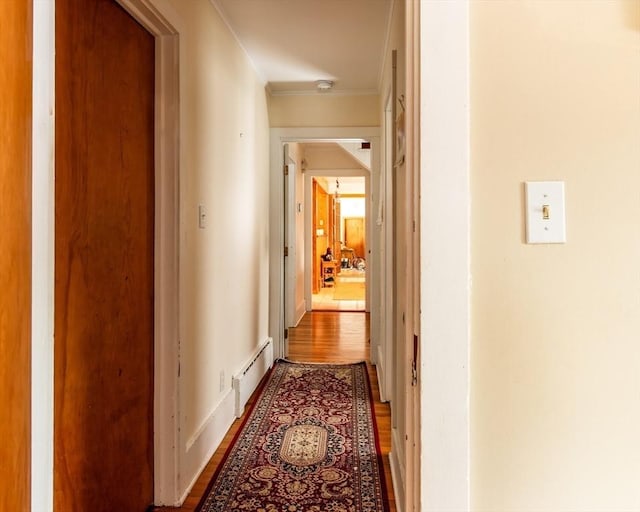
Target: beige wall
x=224, y=158
x=320, y=110
x=555, y=394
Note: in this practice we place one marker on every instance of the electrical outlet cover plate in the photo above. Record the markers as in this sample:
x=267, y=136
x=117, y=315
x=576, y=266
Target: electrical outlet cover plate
x=545, y=197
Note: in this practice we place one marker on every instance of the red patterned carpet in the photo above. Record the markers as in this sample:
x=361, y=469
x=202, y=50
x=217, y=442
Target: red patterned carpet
x=308, y=445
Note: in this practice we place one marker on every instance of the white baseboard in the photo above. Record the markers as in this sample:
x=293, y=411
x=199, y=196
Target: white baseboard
x=301, y=309
x=397, y=482
x=380, y=369
x=201, y=446
x=397, y=466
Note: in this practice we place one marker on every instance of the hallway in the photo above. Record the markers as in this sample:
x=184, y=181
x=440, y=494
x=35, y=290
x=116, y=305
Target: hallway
x=499, y=356
x=321, y=337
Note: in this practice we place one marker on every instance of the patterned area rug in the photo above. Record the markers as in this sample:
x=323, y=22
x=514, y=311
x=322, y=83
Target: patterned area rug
x=308, y=445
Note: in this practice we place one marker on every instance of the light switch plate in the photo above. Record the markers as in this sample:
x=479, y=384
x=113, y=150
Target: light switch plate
x=545, y=212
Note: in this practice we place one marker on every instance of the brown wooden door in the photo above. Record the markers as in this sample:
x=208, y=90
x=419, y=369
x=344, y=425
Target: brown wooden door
x=15, y=255
x=354, y=235
x=104, y=231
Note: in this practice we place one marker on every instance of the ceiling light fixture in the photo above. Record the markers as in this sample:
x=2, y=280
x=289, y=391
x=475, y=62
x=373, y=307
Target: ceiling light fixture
x=324, y=85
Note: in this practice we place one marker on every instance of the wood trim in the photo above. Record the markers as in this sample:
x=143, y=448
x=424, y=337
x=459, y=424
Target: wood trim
x=16, y=32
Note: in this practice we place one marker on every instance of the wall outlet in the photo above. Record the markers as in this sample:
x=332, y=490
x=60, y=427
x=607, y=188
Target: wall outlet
x=222, y=380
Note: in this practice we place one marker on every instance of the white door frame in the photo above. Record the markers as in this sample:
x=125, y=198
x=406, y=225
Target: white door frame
x=385, y=218
x=167, y=245
x=289, y=182
x=42, y=252
x=441, y=78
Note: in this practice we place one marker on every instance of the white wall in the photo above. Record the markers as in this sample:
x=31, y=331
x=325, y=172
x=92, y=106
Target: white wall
x=224, y=267
x=556, y=328
x=352, y=206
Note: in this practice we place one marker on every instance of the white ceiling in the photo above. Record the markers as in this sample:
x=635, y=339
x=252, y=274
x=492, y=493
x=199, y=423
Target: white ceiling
x=294, y=43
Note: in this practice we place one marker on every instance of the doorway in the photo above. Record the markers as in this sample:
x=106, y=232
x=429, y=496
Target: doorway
x=307, y=167
x=338, y=234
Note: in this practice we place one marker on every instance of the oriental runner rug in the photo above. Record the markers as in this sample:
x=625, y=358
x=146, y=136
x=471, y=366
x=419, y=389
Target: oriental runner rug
x=309, y=444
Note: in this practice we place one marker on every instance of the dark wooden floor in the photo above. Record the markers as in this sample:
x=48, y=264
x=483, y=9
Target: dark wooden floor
x=322, y=337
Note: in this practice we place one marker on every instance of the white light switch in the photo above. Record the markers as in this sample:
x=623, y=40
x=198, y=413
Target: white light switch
x=545, y=212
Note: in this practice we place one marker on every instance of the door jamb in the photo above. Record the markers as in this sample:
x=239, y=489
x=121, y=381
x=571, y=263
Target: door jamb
x=166, y=250
x=440, y=49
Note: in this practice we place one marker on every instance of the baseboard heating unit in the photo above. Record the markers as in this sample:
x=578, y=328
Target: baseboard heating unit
x=246, y=381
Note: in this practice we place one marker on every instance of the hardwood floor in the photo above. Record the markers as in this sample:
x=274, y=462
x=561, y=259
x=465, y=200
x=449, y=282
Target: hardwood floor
x=321, y=337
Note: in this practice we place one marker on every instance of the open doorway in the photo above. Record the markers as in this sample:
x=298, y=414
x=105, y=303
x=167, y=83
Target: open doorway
x=339, y=242
x=298, y=157
x=326, y=201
